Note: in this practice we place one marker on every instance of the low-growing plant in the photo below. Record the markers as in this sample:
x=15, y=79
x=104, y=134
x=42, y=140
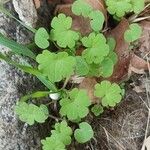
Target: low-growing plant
x=97, y=59
x=120, y=8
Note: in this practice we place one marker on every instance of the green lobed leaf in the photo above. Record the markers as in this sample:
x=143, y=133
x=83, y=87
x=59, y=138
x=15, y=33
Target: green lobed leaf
x=62, y=33
x=51, y=143
x=118, y=8
x=97, y=20
x=110, y=94
x=97, y=109
x=96, y=50
x=107, y=67
x=84, y=133
x=133, y=33
x=56, y=66
x=41, y=38
x=60, y=137
x=138, y=5
x=62, y=132
x=81, y=7
x=30, y=113
x=112, y=55
x=82, y=67
x=76, y=105
x=112, y=43
x=94, y=70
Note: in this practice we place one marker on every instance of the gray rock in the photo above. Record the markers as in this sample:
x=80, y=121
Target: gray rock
x=26, y=11
x=15, y=135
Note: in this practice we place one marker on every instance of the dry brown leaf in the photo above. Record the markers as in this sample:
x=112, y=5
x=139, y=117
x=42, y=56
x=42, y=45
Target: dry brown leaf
x=144, y=46
x=121, y=68
x=88, y=84
x=80, y=23
x=137, y=65
x=37, y=3
x=98, y=5
x=138, y=62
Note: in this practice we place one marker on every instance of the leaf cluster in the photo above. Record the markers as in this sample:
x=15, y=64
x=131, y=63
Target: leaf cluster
x=97, y=59
x=122, y=7
x=81, y=7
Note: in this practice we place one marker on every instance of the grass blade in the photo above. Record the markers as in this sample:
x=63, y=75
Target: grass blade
x=6, y=12
x=16, y=48
x=32, y=71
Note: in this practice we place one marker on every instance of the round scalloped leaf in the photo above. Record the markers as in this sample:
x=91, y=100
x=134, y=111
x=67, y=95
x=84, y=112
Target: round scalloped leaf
x=41, y=38
x=97, y=20
x=82, y=67
x=110, y=94
x=118, y=8
x=112, y=43
x=96, y=50
x=62, y=132
x=62, y=33
x=81, y=7
x=138, y=5
x=84, y=133
x=76, y=105
x=30, y=113
x=133, y=33
x=107, y=67
x=56, y=66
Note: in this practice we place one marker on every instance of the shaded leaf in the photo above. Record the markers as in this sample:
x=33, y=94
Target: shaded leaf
x=107, y=67
x=97, y=20
x=41, y=38
x=84, y=133
x=82, y=67
x=133, y=33
x=97, y=109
